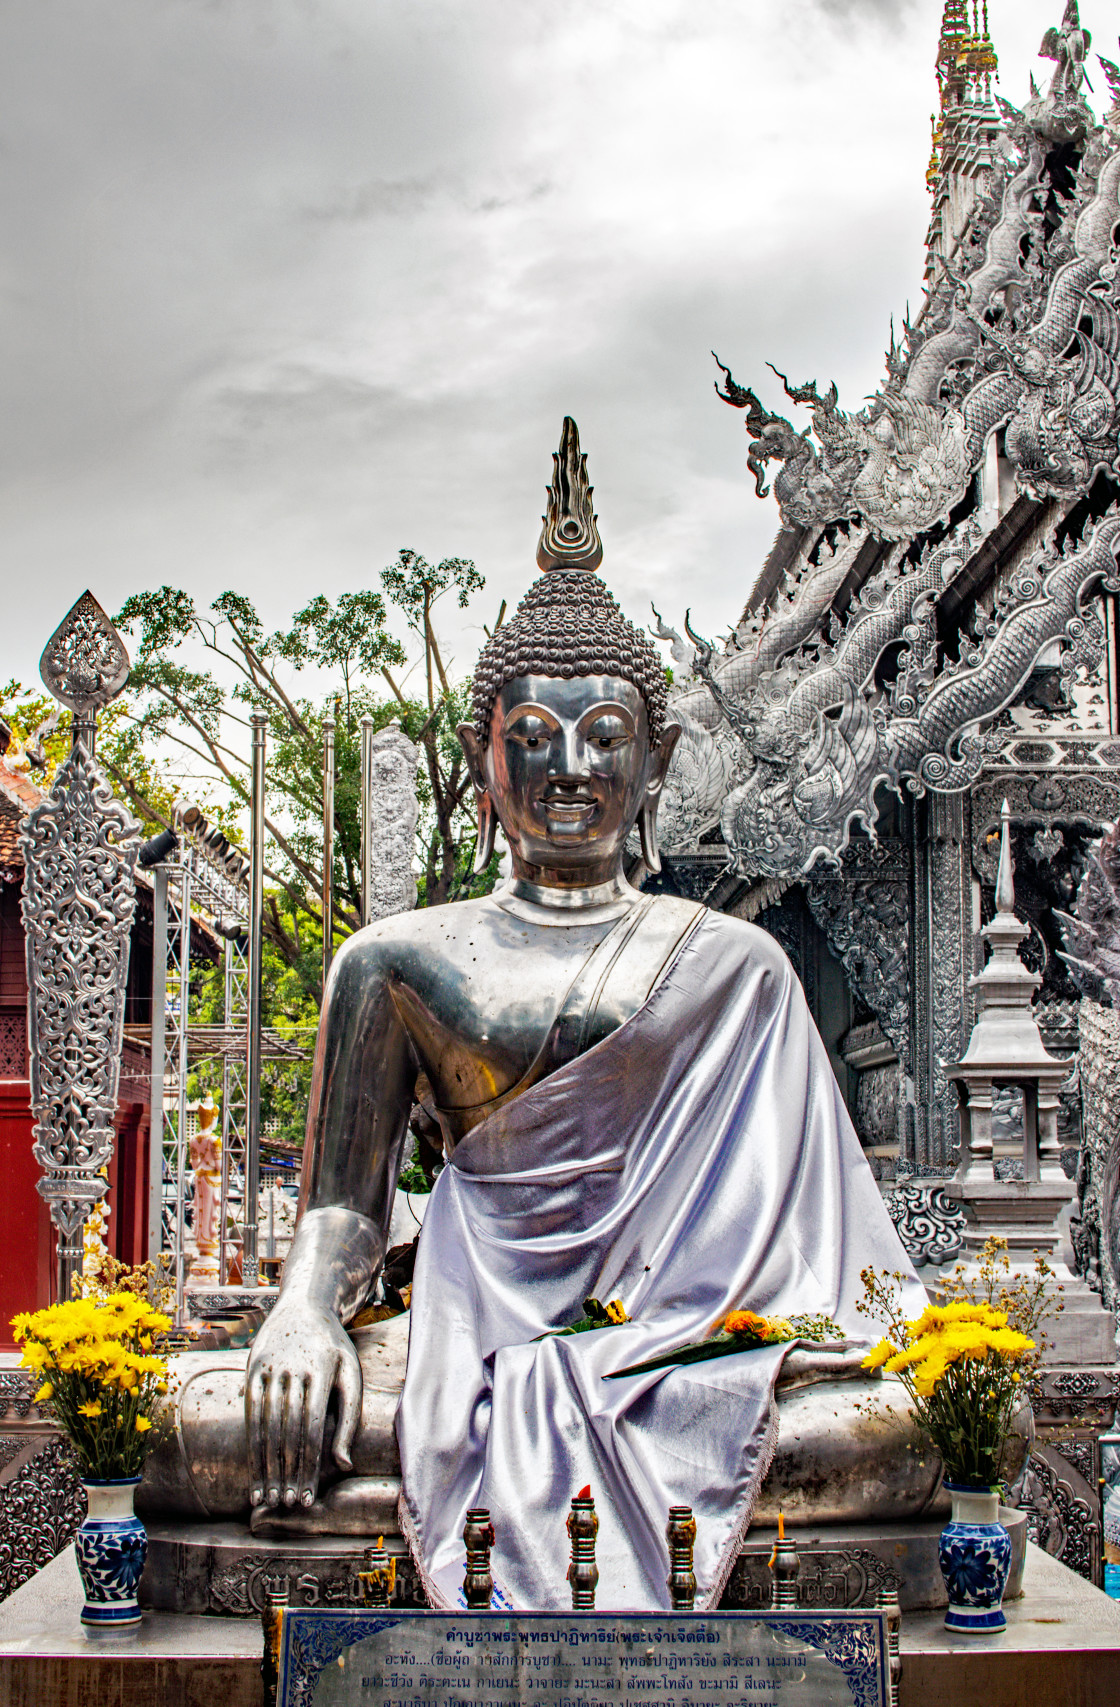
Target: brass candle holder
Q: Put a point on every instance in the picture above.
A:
(379, 1577)
(785, 1564)
(681, 1536)
(583, 1573)
(478, 1538)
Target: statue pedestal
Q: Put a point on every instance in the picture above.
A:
(1059, 1648)
(221, 1569)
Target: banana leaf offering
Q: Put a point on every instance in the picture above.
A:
(741, 1330)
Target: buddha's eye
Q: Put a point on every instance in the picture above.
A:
(608, 733)
(529, 731)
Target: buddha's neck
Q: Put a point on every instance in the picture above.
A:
(554, 904)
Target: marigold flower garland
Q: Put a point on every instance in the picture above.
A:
(101, 1375)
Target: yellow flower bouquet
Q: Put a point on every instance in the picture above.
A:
(963, 1362)
(101, 1376)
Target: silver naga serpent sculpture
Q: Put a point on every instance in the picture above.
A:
(787, 736)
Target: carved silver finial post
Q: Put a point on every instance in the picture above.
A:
(79, 895)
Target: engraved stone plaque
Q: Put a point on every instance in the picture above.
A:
(440, 1659)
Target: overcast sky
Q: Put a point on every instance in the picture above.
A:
(288, 285)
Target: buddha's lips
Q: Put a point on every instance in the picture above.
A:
(574, 802)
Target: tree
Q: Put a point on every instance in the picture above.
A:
(198, 676)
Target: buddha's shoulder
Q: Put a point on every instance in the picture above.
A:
(728, 938)
(389, 944)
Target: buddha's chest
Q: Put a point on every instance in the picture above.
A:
(479, 1018)
(504, 1002)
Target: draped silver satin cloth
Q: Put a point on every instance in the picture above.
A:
(697, 1160)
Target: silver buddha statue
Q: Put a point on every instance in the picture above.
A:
(634, 1105)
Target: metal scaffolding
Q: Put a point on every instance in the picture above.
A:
(196, 869)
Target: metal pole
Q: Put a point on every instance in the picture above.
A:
(182, 1144)
(159, 1063)
(227, 1086)
(367, 816)
(328, 847)
(250, 1273)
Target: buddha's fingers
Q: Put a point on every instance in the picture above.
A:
(316, 1396)
(348, 1380)
(276, 1393)
(291, 1438)
(254, 1413)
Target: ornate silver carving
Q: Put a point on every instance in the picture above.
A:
(393, 812)
(84, 663)
(930, 1227)
(80, 847)
(840, 1577)
(821, 737)
(1061, 1514)
(1019, 330)
(13, 1046)
(863, 912)
(40, 1510)
(16, 1392)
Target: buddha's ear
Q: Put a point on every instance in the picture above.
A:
(473, 752)
(661, 757)
(484, 805)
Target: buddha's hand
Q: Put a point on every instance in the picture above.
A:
(300, 1357)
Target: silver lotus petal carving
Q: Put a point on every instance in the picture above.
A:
(84, 663)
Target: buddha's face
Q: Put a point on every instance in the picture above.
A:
(569, 767)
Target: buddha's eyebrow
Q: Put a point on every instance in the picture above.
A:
(531, 709)
(608, 708)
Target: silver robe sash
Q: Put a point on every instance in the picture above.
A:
(697, 1160)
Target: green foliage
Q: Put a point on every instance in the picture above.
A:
(198, 675)
(41, 739)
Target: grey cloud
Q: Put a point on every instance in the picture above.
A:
(286, 287)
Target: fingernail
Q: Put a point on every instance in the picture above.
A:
(256, 1496)
(289, 1496)
(307, 1497)
(274, 1496)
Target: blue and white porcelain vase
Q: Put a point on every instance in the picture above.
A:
(111, 1546)
(974, 1552)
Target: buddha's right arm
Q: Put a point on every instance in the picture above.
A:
(361, 1095)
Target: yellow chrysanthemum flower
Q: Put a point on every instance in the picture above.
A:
(92, 1409)
(45, 1392)
(879, 1354)
(143, 1424)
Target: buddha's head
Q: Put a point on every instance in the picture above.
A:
(569, 747)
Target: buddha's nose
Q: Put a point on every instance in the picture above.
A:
(566, 761)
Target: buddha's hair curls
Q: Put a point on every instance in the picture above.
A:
(568, 624)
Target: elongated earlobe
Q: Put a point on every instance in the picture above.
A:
(647, 818)
(487, 830)
(647, 836)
